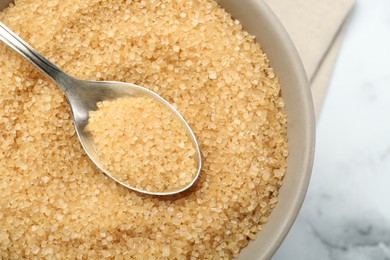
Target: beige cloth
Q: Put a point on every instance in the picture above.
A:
(315, 28)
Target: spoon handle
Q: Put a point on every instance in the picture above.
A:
(15, 42)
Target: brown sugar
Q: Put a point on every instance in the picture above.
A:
(54, 202)
(143, 144)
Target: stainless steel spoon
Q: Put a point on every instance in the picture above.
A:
(83, 96)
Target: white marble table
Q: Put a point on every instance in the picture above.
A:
(346, 214)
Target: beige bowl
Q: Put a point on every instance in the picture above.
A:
(258, 19)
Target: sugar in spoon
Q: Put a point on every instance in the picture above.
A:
(83, 97)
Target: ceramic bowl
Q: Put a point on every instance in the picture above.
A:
(257, 18)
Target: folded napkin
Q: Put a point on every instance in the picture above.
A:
(316, 29)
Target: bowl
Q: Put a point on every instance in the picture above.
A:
(258, 19)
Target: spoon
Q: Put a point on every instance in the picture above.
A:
(83, 97)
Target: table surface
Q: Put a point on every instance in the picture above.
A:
(346, 214)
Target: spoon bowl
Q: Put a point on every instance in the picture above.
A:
(83, 96)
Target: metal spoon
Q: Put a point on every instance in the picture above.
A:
(83, 96)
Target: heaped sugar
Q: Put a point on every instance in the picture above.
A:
(143, 144)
